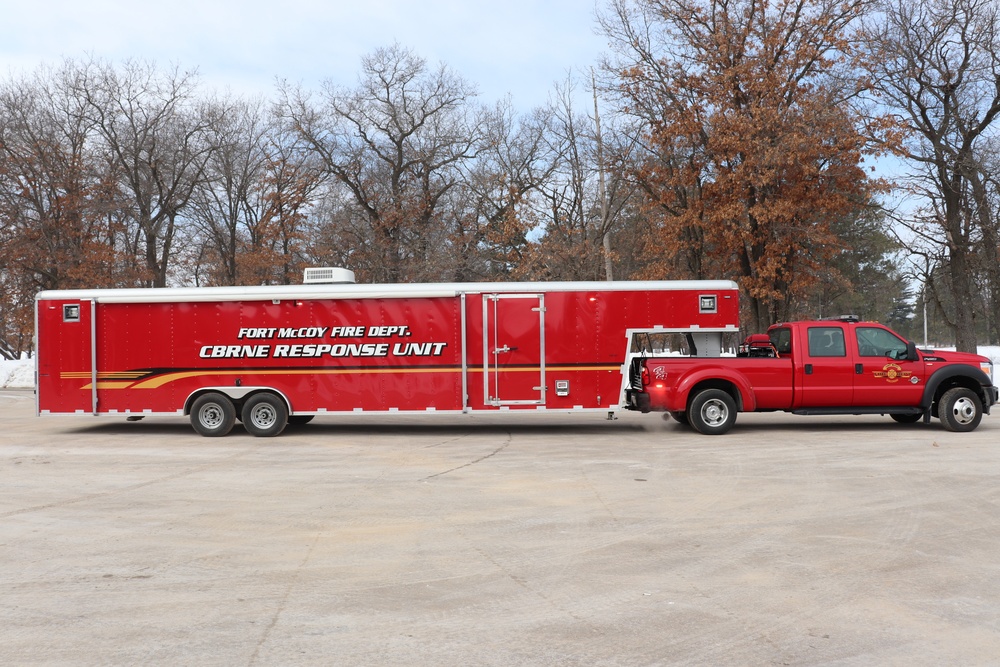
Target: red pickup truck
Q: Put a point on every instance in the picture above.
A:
(819, 367)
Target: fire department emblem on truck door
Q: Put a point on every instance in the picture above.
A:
(893, 373)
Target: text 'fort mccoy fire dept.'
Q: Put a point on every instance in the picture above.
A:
(379, 348)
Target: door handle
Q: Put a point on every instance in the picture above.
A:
(809, 369)
(505, 348)
(859, 369)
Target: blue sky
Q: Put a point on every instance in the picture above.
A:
(516, 47)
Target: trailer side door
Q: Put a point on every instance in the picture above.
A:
(66, 356)
(514, 349)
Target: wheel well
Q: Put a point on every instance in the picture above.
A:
(238, 395)
(958, 381)
(723, 385)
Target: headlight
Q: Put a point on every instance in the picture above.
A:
(987, 367)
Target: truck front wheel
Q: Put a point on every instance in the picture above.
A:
(213, 415)
(960, 409)
(712, 412)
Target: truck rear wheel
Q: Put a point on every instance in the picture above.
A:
(264, 415)
(712, 412)
(960, 410)
(213, 415)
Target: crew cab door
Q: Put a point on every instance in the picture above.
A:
(825, 371)
(883, 375)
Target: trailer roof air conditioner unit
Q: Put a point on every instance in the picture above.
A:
(327, 275)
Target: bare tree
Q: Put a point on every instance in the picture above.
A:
(489, 214)
(221, 205)
(56, 199)
(751, 151)
(396, 142)
(52, 188)
(154, 135)
(986, 185)
(936, 64)
(581, 202)
(248, 207)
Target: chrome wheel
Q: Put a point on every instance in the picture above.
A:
(964, 411)
(714, 413)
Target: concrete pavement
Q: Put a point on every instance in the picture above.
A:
(498, 540)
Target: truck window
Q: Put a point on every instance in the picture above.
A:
(827, 342)
(876, 342)
(781, 339)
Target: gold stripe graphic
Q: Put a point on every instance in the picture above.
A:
(118, 380)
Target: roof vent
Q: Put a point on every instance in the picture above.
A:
(320, 275)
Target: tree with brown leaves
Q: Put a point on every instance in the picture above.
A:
(752, 152)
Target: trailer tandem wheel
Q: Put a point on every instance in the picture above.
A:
(213, 414)
(265, 415)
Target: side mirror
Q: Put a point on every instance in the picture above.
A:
(911, 351)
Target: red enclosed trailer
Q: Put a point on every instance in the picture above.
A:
(275, 354)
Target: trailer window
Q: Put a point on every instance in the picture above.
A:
(676, 343)
(660, 343)
(826, 342)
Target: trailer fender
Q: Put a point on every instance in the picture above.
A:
(236, 394)
(731, 381)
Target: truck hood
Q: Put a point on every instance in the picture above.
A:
(955, 357)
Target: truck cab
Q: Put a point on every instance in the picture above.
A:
(845, 362)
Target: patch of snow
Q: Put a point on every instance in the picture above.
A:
(992, 352)
(18, 374)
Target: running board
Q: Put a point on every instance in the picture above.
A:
(866, 410)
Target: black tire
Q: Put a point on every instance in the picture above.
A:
(213, 415)
(264, 415)
(299, 420)
(680, 418)
(712, 412)
(960, 410)
(907, 418)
